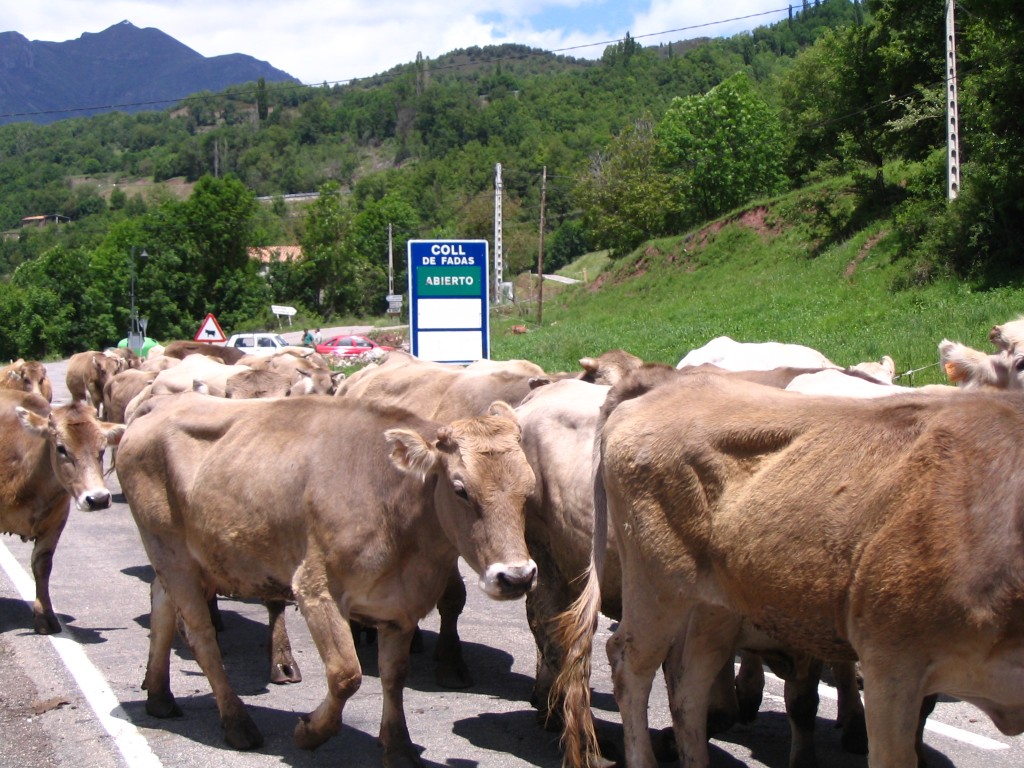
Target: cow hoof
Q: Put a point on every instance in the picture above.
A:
(282, 674)
(46, 624)
(162, 706)
(719, 722)
(402, 760)
(664, 744)
(242, 734)
(855, 736)
(454, 675)
(305, 737)
(417, 644)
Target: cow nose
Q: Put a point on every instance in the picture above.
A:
(517, 580)
(97, 499)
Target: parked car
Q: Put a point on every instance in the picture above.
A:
(351, 345)
(257, 343)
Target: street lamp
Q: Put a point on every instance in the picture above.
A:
(135, 336)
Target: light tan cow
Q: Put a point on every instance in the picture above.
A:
(378, 551)
(439, 390)
(120, 389)
(559, 423)
(51, 458)
(87, 374)
(885, 530)
(27, 376)
(970, 368)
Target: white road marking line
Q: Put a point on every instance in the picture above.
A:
(132, 744)
(949, 731)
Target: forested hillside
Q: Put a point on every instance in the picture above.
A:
(648, 141)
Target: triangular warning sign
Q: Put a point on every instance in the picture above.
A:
(210, 331)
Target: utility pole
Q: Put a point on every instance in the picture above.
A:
(540, 248)
(952, 118)
(498, 266)
(391, 263)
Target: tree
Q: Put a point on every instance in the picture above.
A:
(624, 195)
(722, 148)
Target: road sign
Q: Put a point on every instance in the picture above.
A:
(210, 331)
(448, 290)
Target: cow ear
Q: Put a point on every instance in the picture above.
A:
(958, 361)
(589, 364)
(113, 432)
(33, 422)
(410, 452)
(501, 408)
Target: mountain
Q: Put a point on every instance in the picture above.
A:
(122, 67)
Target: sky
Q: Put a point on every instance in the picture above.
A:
(334, 42)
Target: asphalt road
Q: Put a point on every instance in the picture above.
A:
(75, 701)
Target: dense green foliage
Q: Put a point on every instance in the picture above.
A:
(752, 276)
(646, 143)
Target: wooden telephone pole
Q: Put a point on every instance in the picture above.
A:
(952, 117)
(540, 249)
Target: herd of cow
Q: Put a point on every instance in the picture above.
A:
(756, 499)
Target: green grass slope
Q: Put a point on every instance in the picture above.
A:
(810, 268)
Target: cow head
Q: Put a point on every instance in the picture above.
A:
(76, 440)
(1008, 336)
(29, 376)
(483, 480)
(971, 369)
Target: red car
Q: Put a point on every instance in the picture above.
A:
(351, 345)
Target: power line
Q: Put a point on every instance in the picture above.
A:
(381, 77)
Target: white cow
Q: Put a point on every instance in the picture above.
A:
(763, 356)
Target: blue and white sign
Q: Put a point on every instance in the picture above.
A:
(448, 300)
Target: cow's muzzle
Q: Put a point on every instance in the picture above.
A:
(502, 581)
(93, 500)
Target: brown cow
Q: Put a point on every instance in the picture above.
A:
(379, 551)
(559, 424)
(120, 389)
(87, 374)
(27, 376)
(443, 392)
(50, 458)
(183, 348)
(898, 520)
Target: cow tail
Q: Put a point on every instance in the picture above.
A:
(574, 630)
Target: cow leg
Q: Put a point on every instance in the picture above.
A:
(283, 668)
(550, 598)
(637, 648)
(333, 638)
(893, 707)
(927, 707)
(452, 671)
(393, 660)
(801, 696)
(851, 709)
(723, 708)
(157, 683)
(44, 620)
(708, 643)
(749, 685)
(184, 588)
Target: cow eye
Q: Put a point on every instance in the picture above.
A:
(460, 490)
(62, 451)
(1018, 364)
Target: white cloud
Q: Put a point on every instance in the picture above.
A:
(318, 42)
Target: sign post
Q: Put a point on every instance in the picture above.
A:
(448, 290)
(210, 331)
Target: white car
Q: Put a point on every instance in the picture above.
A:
(257, 343)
